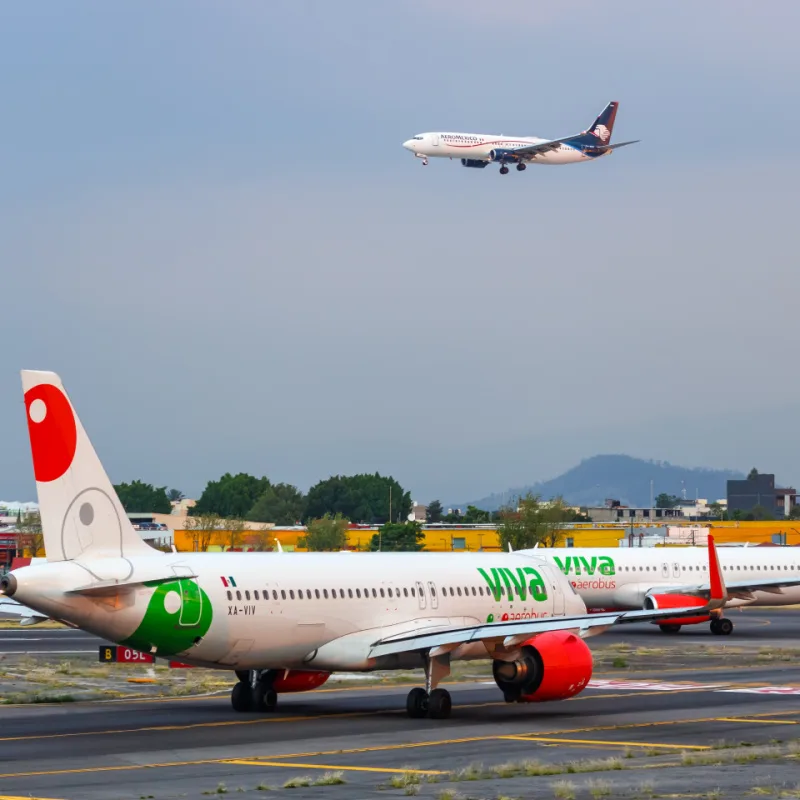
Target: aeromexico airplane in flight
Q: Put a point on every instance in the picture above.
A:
(282, 621)
(480, 149)
(661, 577)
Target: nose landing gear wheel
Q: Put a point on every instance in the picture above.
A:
(504, 170)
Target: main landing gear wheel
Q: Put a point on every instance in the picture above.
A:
(242, 697)
(436, 705)
(504, 170)
(521, 167)
(670, 628)
(721, 627)
(264, 698)
(417, 703)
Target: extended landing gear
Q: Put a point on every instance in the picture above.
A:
(430, 701)
(670, 628)
(504, 170)
(254, 691)
(721, 626)
(521, 167)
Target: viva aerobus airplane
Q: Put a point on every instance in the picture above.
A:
(477, 150)
(283, 622)
(663, 577)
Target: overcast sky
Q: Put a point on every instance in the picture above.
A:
(210, 229)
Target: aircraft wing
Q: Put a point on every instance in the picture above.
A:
(539, 149)
(510, 634)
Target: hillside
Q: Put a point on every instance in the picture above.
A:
(623, 478)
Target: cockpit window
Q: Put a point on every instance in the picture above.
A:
(419, 138)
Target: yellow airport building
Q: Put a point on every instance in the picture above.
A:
(484, 537)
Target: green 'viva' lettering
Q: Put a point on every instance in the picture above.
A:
(527, 579)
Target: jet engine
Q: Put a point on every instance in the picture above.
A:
(473, 162)
(654, 602)
(502, 155)
(552, 666)
(298, 680)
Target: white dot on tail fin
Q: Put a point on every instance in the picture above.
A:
(38, 410)
(172, 602)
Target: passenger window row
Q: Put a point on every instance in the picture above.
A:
(334, 594)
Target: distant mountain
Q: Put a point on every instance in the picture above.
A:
(622, 478)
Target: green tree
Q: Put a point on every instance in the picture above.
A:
(328, 532)
(29, 533)
(281, 504)
(758, 512)
(175, 495)
(794, 512)
(475, 516)
(203, 528)
(398, 536)
(143, 498)
(533, 521)
(232, 496)
(361, 498)
(454, 517)
(665, 500)
(434, 512)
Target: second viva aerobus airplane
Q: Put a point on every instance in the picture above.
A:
(283, 622)
(660, 577)
(480, 149)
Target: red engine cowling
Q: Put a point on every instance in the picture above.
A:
(299, 681)
(553, 666)
(666, 601)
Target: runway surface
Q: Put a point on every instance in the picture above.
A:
(194, 747)
(188, 747)
(761, 627)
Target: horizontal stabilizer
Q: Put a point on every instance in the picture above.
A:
(101, 588)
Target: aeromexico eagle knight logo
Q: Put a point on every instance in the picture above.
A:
(178, 616)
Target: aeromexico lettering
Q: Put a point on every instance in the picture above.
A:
(526, 580)
(578, 565)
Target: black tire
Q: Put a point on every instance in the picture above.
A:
(417, 703)
(670, 628)
(521, 167)
(725, 626)
(504, 170)
(265, 699)
(242, 697)
(439, 704)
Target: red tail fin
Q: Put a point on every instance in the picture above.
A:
(719, 594)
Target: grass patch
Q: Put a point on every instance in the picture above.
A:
(619, 662)
(472, 772)
(599, 789)
(330, 779)
(23, 698)
(564, 790)
(263, 787)
(297, 783)
(404, 780)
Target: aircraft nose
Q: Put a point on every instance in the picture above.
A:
(409, 144)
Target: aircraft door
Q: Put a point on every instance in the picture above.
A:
(676, 570)
(191, 609)
(557, 593)
(665, 570)
(434, 598)
(435, 139)
(421, 594)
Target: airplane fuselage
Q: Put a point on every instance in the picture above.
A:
(256, 610)
(491, 147)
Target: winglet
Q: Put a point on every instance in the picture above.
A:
(719, 593)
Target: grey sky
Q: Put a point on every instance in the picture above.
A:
(210, 229)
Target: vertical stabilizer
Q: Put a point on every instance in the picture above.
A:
(82, 516)
(603, 126)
